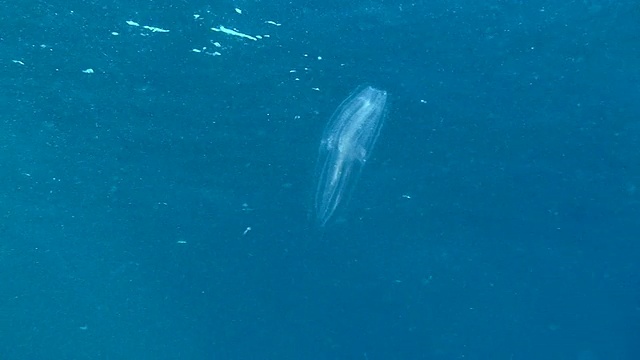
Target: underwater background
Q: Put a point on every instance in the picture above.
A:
(157, 178)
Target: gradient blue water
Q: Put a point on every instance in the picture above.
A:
(157, 208)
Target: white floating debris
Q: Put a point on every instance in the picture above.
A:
(196, 16)
(239, 11)
(204, 50)
(246, 230)
(217, 44)
(155, 29)
(88, 71)
(151, 28)
(234, 33)
(273, 23)
(315, 88)
(115, 33)
(181, 242)
(17, 62)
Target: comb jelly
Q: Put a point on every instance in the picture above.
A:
(346, 144)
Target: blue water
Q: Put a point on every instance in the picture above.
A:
(156, 186)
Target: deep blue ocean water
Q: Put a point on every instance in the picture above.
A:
(157, 181)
